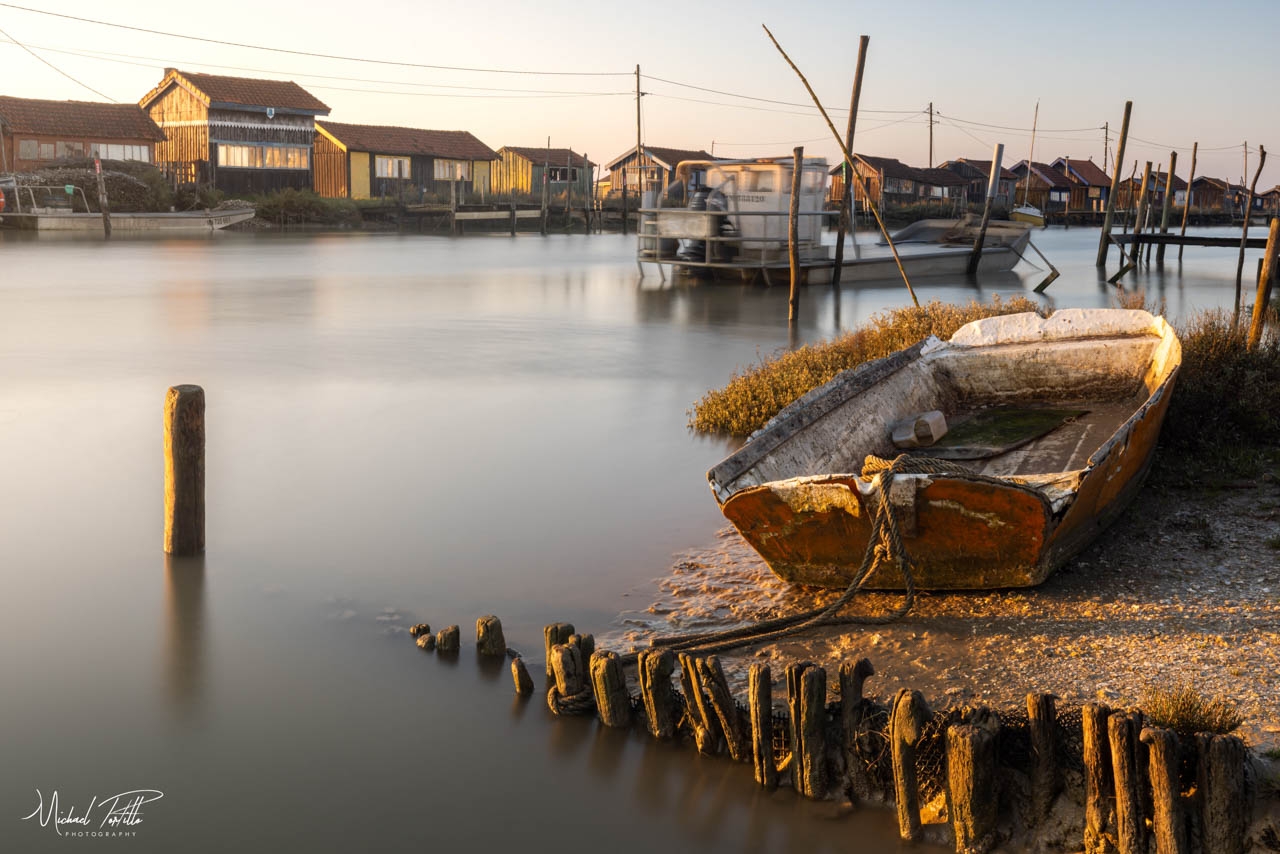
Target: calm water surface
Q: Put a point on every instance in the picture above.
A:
(400, 429)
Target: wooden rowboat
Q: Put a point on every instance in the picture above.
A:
(1052, 426)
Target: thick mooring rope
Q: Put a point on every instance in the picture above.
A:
(884, 547)
(581, 703)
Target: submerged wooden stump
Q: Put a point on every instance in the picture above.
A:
(810, 754)
(706, 729)
(1224, 814)
(1122, 732)
(520, 676)
(1046, 775)
(971, 786)
(726, 709)
(1099, 835)
(1168, 823)
(551, 635)
(426, 642)
(655, 668)
(419, 629)
(610, 685)
(906, 725)
(184, 470)
(760, 704)
(489, 638)
(449, 639)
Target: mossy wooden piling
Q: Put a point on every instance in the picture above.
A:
(489, 637)
(906, 724)
(760, 706)
(610, 688)
(662, 711)
(1168, 824)
(853, 718)
(722, 702)
(1098, 832)
(1046, 774)
(1224, 813)
(971, 787)
(520, 676)
(449, 639)
(1122, 733)
(553, 634)
(184, 470)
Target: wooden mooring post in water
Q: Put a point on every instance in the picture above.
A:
(1244, 231)
(184, 470)
(1266, 279)
(793, 235)
(102, 198)
(1168, 204)
(993, 184)
(845, 221)
(1104, 239)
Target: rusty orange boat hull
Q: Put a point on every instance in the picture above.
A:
(989, 529)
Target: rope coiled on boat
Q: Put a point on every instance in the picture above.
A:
(884, 547)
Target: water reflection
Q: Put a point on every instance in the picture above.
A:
(184, 633)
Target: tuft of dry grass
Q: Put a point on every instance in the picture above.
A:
(755, 395)
(1182, 709)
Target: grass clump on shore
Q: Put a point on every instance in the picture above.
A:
(755, 395)
(1182, 709)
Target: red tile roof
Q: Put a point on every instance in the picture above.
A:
(1087, 172)
(78, 119)
(382, 139)
(220, 90)
(553, 156)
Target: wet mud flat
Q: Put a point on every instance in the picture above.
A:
(1184, 588)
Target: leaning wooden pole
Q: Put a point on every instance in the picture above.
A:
(102, 199)
(846, 204)
(1186, 207)
(1244, 232)
(184, 470)
(793, 235)
(1104, 240)
(993, 183)
(1265, 281)
(1168, 203)
(848, 155)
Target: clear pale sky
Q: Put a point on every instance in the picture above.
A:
(1195, 71)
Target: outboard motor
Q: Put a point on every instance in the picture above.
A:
(695, 250)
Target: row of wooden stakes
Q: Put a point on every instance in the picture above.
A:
(1132, 773)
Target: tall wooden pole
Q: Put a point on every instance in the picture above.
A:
(1136, 254)
(1168, 202)
(848, 155)
(184, 470)
(639, 167)
(1195, 147)
(1104, 240)
(793, 235)
(1265, 281)
(993, 183)
(931, 134)
(546, 186)
(1244, 232)
(846, 204)
(102, 198)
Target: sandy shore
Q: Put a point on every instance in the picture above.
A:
(1184, 588)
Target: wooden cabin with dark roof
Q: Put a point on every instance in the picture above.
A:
(977, 173)
(1131, 189)
(235, 133)
(657, 165)
(34, 133)
(520, 168)
(1041, 185)
(380, 161)
(1092, 186)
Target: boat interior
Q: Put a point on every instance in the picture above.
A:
(1028, 409)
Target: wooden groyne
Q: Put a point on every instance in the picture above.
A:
(1050, 777)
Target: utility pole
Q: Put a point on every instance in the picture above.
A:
(931, 134)
(1106, 143)
(639, 164)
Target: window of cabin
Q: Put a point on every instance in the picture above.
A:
(252, 156)
(564, 174)
(1058, 195)
(111, 151)
(758, 182)
(28, 149)
(392, 167)
(69, 149)
(46, 151)
(452, 170)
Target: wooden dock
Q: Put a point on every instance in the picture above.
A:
(1188, 240)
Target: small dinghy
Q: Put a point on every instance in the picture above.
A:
(1013, 445)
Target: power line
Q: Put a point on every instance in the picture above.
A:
(56, 68)
(108, 56)
(764, 100)
(815, 139)
(1023, 130)
(309, 53)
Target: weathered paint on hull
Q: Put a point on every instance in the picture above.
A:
(967, 533)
